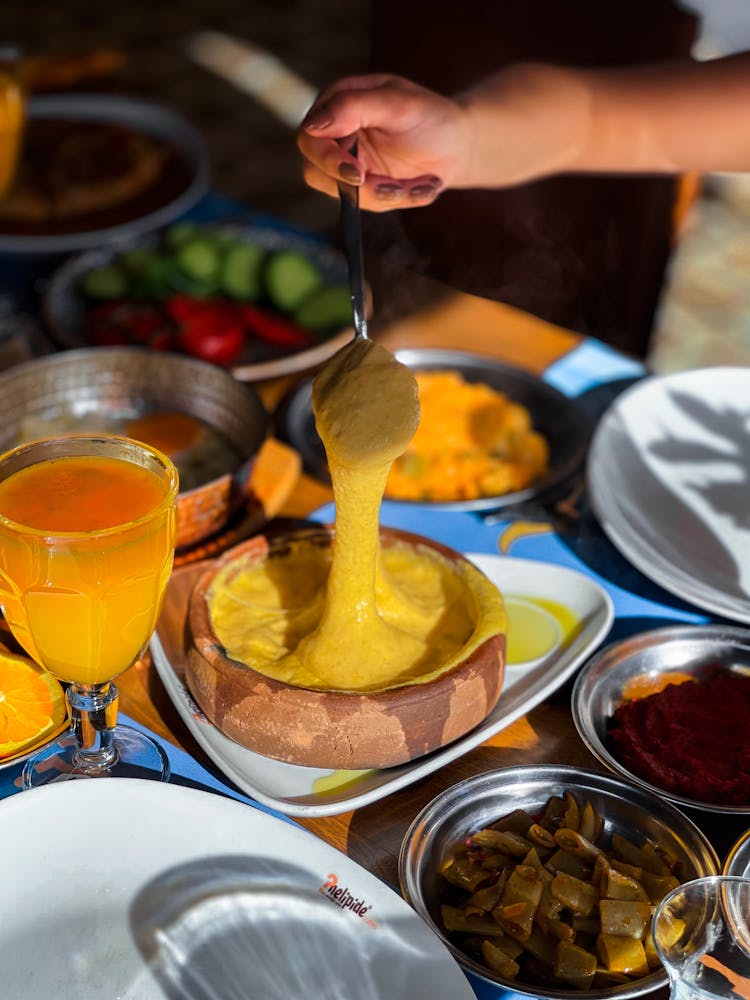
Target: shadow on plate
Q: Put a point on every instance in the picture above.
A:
(250, 928)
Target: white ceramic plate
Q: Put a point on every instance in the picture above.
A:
(127, 888)
(308, 791)
(669, 481)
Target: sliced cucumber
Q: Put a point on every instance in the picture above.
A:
(107, 282)
(154, 280)
(241, 271)
(199, 259)
(178, 235)
(290, 278)
(185, 285)
(327, 308)
(136, 261)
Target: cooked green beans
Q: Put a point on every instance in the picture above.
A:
(542, 901)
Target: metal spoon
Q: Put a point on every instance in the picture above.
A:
(351, 225)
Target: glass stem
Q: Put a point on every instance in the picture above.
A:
(93, 715)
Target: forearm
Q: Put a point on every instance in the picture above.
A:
(533, 120)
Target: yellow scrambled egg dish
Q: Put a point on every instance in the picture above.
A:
(472, 441)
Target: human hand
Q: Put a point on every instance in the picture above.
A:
(412, 142)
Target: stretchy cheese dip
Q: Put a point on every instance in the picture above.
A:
(356, 617)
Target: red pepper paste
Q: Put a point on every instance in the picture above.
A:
(691, 739)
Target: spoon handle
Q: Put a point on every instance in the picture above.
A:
(351, 225)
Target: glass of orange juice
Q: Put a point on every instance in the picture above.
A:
(87, 533)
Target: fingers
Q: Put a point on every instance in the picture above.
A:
(403, 130)
(320, 114)
(331, 158)
(379, 193)
(377, 101)
(405, 193)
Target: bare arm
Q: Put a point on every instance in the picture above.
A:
(528, 121)
(666, 118)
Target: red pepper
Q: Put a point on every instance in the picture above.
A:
(212, 338)
(125, 322)
(106, 310)
(144, 323)
(164, 340)
(182, 307)
(272, 328)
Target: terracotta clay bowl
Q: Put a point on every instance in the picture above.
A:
(332, 729)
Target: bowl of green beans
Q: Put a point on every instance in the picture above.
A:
(543, 880)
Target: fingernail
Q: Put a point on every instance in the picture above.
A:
(389, 191)
(349, 173)
(317, 119)
(423, 190)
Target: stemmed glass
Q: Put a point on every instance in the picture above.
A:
(702, 935)
(87, 533)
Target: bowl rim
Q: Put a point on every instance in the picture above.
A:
(427, 821)
(737, 851)
(615, 652)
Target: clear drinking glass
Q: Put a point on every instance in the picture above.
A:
(87, 534)
(702, 935)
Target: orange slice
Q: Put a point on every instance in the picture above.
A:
(32, 704)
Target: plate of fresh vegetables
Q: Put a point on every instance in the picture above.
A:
(258, 300)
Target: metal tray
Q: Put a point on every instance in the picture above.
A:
(560, 419)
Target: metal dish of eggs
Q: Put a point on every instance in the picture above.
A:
(210, 425)
(559, 424)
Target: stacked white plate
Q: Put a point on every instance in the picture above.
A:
(669, 481)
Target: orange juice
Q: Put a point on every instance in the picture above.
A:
(86, 545)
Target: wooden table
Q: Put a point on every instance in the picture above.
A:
(372, 835)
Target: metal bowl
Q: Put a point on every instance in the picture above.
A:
(123, 383)
(475, 803)
(691, 649)
(738, 860)
(561, 420)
